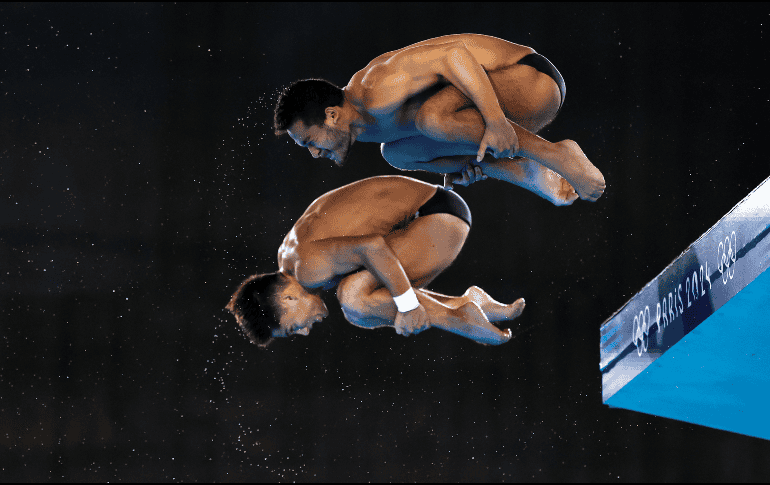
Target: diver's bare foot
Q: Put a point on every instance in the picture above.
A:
(476, 325)
(493, 310)
(532, 176)
(586, 179)
(550, 185)
(566, 194)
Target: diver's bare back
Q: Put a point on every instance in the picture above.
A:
(369, 206)
(379, 89)
(491, 52)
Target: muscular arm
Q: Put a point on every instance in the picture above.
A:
(411, 71)
(320, 261)
(415, 69)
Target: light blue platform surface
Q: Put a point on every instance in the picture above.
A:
(694, 343)
(718, 375)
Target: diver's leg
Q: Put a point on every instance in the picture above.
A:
(447, 118)
(493, 309)
(366, 303)
(528, 98)
(362, 285)
(407, 153)
(564, 157)
(377, 309)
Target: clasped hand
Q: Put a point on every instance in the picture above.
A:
(500, 138)
(468, 175)
(412, 322)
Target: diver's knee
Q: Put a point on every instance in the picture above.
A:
(351, 294)
(345, 294)
(429, 119)
(395, 156)
(351, 316)
(355, 310)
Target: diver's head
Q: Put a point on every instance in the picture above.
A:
(314, 114)
(273, 305)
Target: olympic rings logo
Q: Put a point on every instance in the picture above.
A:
(641, 330)
(694, 288)
(726, 254)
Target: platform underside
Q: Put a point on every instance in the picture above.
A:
(694, 344)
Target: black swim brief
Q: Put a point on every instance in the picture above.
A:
(446, 202)
(545, 66)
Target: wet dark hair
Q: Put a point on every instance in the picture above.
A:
(255, 306)
(305, 100)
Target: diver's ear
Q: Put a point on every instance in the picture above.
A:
(332, 115)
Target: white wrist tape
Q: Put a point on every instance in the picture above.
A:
(407, 301)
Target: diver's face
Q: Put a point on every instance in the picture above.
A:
(299, 310)
(329, 140)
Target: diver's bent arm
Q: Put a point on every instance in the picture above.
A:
(323, 259)
(467, 75)
(426, 65)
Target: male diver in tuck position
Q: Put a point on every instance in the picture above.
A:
(380, 241)
(437, 104)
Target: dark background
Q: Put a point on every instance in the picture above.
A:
(140, 182)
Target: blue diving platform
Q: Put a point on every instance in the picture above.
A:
(694, 343)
